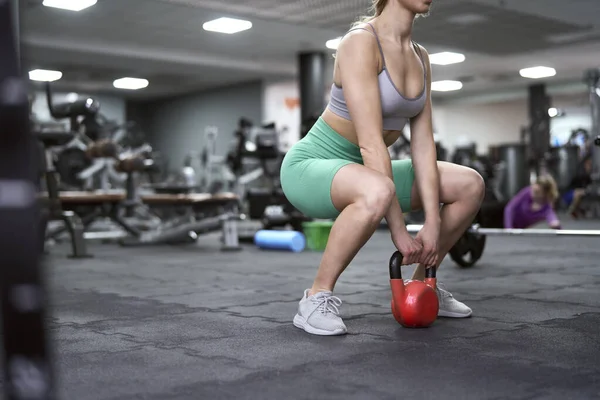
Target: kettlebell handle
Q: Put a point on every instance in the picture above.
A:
(396, 266)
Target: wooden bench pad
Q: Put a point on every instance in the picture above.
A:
(188, 199)
(76, 197)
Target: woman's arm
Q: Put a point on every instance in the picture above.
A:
(552, 218)
(509, 210)
(424, 154)
(359, 67)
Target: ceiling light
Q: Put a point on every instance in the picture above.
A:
(227, 25)
(446, 58)
(446, 86)
(333, 43)
(537, 72)
(555, 112)
(71, 5)
(71, 97)
(44, 75)
(131, 83)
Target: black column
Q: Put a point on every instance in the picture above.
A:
(539, 132)
(311, 71)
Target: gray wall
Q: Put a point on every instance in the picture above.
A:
(175, 126)
(112, 107)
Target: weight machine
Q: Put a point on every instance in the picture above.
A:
(203, 171)
(256, 161)
(214, 174)
(84, 163)
(256, 156)
(53, 209)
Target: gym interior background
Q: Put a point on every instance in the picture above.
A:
(161, 312)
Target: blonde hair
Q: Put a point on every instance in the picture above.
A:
(548, 185)
(375, 10)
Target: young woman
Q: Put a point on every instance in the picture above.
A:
(342, 168)
(533, 204)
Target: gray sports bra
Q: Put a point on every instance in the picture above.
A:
(395, 108)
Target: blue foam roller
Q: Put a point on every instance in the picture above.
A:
(280, 240)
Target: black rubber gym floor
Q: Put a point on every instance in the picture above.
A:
(163, 323)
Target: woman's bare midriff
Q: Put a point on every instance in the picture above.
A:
(346, 129)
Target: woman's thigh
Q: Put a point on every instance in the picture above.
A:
(355, 183)
(307, 184)
(404, 178)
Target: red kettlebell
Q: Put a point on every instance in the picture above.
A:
(415, 304)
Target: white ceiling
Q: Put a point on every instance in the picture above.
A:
(163, 41)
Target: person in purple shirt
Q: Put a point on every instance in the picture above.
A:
(533, 204)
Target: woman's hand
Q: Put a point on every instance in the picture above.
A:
(408, 247)
(428, 237)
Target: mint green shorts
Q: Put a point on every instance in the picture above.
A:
(308, 169)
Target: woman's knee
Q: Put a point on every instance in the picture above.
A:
(375, 197)
(474, 185)
(460, 183)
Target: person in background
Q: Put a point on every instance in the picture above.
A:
(533, 204)
(577, 188)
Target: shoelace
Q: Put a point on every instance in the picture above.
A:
(328, 304)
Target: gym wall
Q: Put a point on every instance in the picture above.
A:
(281, 104)
(176, 126)
(499, 122)
(113, 107)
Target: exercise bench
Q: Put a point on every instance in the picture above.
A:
(93, 205)
(185, 216)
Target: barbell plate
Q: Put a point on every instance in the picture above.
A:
(412, 228)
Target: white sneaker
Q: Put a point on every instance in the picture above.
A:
(319, 314)
(449, 306)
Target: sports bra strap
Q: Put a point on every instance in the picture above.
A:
(418, 50)
(374, 32)
(378, 43)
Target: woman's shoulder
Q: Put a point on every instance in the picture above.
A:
(358, 39)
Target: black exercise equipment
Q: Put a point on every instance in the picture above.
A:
(91, 206)
(186, 216)
(52, 209)
(84, 107)
(468, 249)
(265, 204)
(72, 160)
(28, 372)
